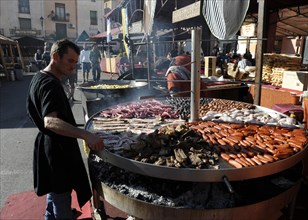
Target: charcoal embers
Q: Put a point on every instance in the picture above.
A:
(157, 191)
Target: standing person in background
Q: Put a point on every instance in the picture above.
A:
(85, 63)
(178, 77)
(58, 166)
(46, 56)
(95, 58)
(248, 56)
(244, 62)
(38, 58)
(221, 62)
(215, 51)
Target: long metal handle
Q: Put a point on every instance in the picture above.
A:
(228, 184)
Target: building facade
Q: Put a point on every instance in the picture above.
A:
(51, 20)
(90, 16)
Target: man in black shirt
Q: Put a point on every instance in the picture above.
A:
(57, 165)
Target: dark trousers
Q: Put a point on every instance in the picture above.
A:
(96, 71)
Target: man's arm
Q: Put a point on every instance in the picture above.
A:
(91, 56)
(58, 126)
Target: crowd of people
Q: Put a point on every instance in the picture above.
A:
(235, 66)
(89, 59)
(42, 59)
(175, 69)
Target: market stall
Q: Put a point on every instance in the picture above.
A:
(8, 57)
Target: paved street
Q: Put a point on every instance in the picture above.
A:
(16, 139)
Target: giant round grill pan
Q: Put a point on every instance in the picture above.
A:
(94, 93)
(198, 175)
(201, 175)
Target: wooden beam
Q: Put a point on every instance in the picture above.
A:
(21, 58)
(259, 52)
(3, 61)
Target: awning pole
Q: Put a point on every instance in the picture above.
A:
(195, 74)
(20, 56)
(148, 61)
(259, 52)
(109, 56)
(3, 61)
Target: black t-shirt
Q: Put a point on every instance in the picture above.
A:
(58, 165)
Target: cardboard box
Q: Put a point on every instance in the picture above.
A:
(209, 66)
(296, 80)
(111, 64)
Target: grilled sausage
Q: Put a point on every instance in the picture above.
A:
(235, 164)
(250, 161)
(256, 160)
(221, 142)
(295, 144)
(245, 162)
(234, 139)
(269, 157)
(225, 156)
(263, 159)
(231, 143)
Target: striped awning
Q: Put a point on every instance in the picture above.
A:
(225, 17)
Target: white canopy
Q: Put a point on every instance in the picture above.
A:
(225, 17)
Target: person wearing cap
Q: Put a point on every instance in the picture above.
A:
(179, 70)
(178, 76)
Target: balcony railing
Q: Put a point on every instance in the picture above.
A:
(24, 32)
(60, 18)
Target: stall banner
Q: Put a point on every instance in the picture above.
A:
(109, 37)
(125, 31)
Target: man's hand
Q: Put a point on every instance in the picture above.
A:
(94, 142)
